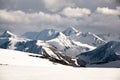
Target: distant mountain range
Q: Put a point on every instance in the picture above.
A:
(71, 34)
(70, 47)
(60, 41)
(87, 38)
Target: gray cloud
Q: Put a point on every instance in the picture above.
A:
(54, 5)
(24, 5)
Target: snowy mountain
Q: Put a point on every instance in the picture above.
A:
(44, 35)
(47, 34)
(70, 48)
(54, 49)
(8, 34)
(38, 47)
(15, 43)
(86, 38)
(103, 54)
(59, 41)
(70, 31)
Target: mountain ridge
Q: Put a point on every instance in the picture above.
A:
(103, 54)
(63, 43)
(50, 49)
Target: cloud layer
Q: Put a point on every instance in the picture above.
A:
(107, 11)
(35, 15)
(96, 20)
(75, 12)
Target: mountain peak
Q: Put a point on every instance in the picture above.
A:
(8, 34)
(47, 34)
(70, 30)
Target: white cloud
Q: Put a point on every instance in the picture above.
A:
(13, 17)
(21, 21)
(27, 18)
(108, 11)
(75, 12)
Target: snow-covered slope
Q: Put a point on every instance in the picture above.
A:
(67, 46)
(103, 54)
(11, 57)
(90, 39)
(62, 42)
(86, 38)
(57, 56)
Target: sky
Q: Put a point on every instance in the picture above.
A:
(97, 16)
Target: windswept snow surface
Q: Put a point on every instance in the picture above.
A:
(57, 73)
(16, 65)
(11, 57)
